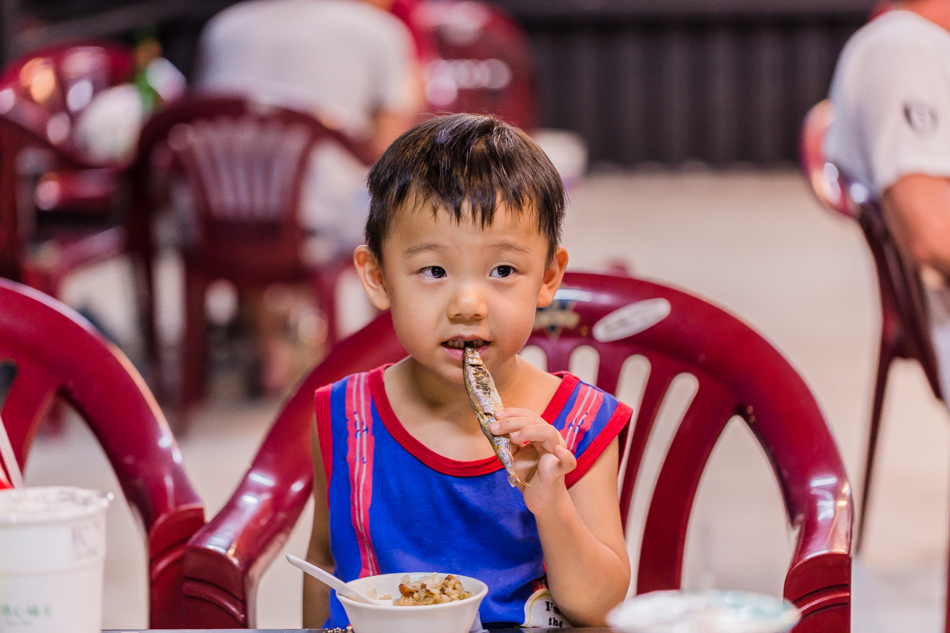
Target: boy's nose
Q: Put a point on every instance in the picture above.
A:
(467, 303)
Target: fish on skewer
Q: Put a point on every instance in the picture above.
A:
(485, 400)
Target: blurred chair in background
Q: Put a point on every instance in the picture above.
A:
(739, 375)
(242, 165)
(481, 61)
(478, 59)
(57, 354)
(905, 327)
(44, 167)
(69, 117)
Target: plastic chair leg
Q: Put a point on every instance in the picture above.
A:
(193, 352)
(886, 357)
(148, 318)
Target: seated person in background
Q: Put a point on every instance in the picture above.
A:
(463, 247)
(353, 64)
(891, 132)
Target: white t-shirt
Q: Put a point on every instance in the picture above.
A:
(891, 100)
(342, 59)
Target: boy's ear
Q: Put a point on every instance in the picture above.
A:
(552, 277)
(371, 276)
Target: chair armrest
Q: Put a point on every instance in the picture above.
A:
(173, 529)
(818, 581)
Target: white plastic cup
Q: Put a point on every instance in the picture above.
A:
(52, 554)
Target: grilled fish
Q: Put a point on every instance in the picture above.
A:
(485, 400)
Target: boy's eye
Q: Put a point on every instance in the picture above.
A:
(436, 272)
(503, 271)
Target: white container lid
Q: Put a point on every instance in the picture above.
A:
(42, 504)
(704, 612)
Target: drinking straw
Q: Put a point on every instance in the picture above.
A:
(9, 459)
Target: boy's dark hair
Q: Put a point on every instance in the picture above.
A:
(451, 160)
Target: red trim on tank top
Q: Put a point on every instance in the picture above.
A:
(440, 463)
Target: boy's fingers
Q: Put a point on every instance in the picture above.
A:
(545, 436)
(512, 422)
(558, 463)
(509, 412)
(565, 456)
(566, 462)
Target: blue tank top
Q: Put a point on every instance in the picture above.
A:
(397, 506)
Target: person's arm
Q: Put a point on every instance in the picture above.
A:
(917, 208)
(316, 595)
(585, 553)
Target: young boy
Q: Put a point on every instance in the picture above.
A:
(462, 247)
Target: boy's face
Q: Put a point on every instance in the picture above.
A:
(447, 283)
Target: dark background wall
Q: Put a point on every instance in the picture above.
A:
(719, 81)
(668, 81)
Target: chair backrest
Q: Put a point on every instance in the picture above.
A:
(826, 182)
(55, 353)
(45, 91)
(244, 163)
(905, 332)
(738, 374)
(484, 62)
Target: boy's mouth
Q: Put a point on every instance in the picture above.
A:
(457, 343)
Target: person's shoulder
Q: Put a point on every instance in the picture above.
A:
(251, 16)
(363, 14)
(241, 11)
(896, 33)
(577, 388)
(352, 379)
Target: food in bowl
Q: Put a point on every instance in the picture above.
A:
(431, 589)
(453, 616)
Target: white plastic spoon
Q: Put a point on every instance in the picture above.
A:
(329, 579)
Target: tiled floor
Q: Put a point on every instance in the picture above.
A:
(755, 243)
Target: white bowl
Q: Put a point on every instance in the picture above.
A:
(449, 617)
(703, 612)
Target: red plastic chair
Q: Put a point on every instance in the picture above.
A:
(479, 60)
(904, 323)
(244, 163)
(41, 98)
(739, 374)
(59, 355)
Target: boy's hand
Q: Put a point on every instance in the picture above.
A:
(540, 454)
